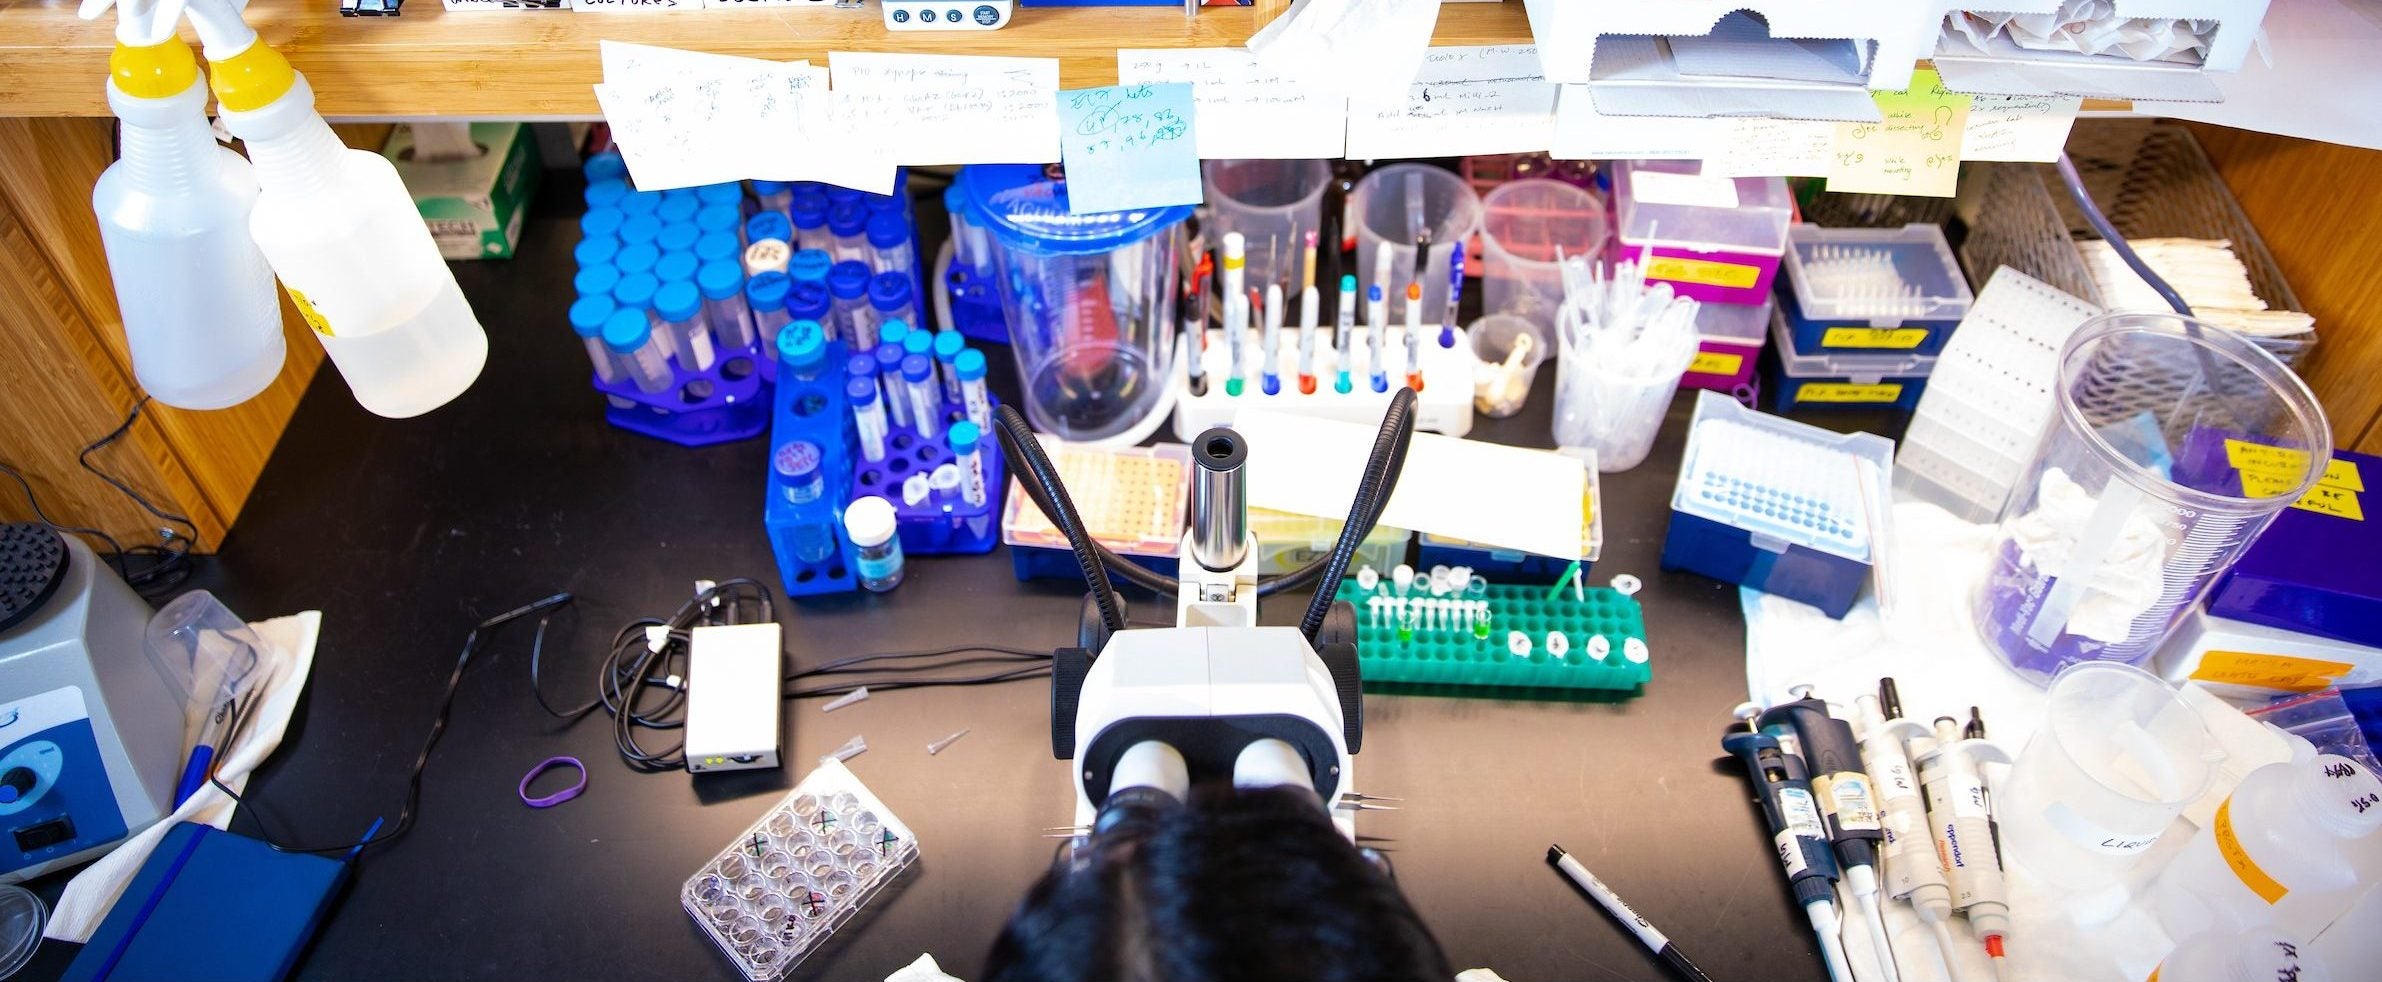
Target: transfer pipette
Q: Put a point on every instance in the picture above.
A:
(1914, 870)
(1272, 347)
(1236, 315)
(1959, 814)
(1455, 294)
(1779, 781)
(1846, 801)
(1377, 320)
(1344, 335)
(1308, 313)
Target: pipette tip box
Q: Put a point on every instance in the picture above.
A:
(1868, 291)
(1134, 500)
(1716, 239)
(1780, 506)
(1838, 379)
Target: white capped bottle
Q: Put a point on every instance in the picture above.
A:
(2281, 850)
(200, 315)
(2261, 954)
(343, 234)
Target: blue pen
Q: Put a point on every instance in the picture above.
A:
(202, 754)
(1455, 294)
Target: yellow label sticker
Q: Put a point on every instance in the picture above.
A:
(2327, 500)
(1873, 337)
(2343, 474)
(314, 318)
(1849, 392)
(1715, 363)
(2258, 880)
(1734, 276)
(2266, 484)
(2283, 673)
(2285, 462)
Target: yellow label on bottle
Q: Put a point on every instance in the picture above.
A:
(1849, 392)
(2283, 673)
(1873, 337)
(1715, 363)
(2258, 880)
(2328, 500)
(1734, 276)
(314, 318)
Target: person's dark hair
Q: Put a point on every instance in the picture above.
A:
(1247, 887)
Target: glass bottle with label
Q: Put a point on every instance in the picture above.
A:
(872, 526)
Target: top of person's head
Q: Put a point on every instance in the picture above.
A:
(1241, 886)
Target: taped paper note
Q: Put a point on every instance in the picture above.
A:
(1914, 150)
(1581, 133)
(1129, 146)
(1773, 148)
(685, 118)
(1349, 46)
(1467, 100)
(1500, 496)
(2031, 128)
(951, 109)
(1244, 111)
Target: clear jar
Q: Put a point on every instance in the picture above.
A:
(873, 527)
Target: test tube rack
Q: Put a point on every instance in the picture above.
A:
(727, 402)
(806, 868)
(1443, 406)
(939, 524)
(1438, 651)
(975, 304)
(816, 412)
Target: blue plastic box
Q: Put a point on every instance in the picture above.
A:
(1776, 505)
(1804, 380)
(1870, 291)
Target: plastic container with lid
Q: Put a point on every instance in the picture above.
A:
(1866, 290)
(722, 285)
(588, 315)
(1716, 239)
(871, 525)
(1390, 206)
(1275, 205)
(1525, 226)
(1089, 300)
(2118, 755)
(631, 339)
(2283, 849)
(1842, 379)
(1731, 336)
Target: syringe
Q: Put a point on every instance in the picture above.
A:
(1960, 815)
(1846, 801)
(1377, 317)
(1236, 313)
(1271, 373)
(1914, 870)
(1308, 314)
(1344, 334)
(1781, 783)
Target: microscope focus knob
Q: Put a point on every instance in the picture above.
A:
(16, 784)
(1348, 683)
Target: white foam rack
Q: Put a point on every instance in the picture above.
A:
(1444, 406)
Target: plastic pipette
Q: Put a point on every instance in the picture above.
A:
(1959, 814)
(1377, 318)
(1847, 803)
(1308, 313)
(1345, 332)
(1913, 869)
(1780, 782)
(1455, 295)
(1272, 346)
(1236, 316)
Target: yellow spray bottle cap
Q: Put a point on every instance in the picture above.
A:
(153, 71)
(252, 79)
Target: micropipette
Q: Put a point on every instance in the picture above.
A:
(1455, 294)
(1345, 333)
(1914, 870)
(1272, 347)
(1846, 802)
(1959, 814)
(1236, 316)
(1308, 313)
(1779, 781)
(1377, 314)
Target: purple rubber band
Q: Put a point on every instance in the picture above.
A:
(558, 797)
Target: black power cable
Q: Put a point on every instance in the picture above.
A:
(167, 564)
(1382, 469)
(1026, 459)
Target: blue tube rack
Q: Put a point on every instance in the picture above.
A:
(816, 412)
(931, 527)
(727, 402)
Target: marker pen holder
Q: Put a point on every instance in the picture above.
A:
(1444, 406)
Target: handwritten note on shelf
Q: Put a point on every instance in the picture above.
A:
(685, 118)
(1348, 46)
(2018, 127)
(950, 109)
(1466, 100)
(1914, 150)
(1773, 148)
(1582, 133)
(1129, 146)
(1245, 111)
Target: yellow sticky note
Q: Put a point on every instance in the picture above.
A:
(2328, 500)
(1715, 363)
(1914, 150)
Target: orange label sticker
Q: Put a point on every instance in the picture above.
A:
(2283, 673)
(1873, 337)
(1715, 363)
(1734, 276)
(2238, 859)
(1849, 392)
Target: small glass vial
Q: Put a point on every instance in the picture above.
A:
(715, 246)
(889, 244)
(640, 229)
(808, 302)
(681, 310)
(948, 345)
(809, 213)
(889, 298)
(868, 417)
(802, 349)
(765, 294)
(588, 315)
(766, 256)
(722, 285)
(872, 526)
(769, 226)
(889, 380)
(926, 398)
(972, 395)
(772, 195)
(630, 337)
(847, 283)
(677, 237)
(676, 267)
(801, 480)
(965, 438)
(848, 225)
(636, 257)
(595, 250)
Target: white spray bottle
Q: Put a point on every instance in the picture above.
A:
(196, 296)
(343, 234)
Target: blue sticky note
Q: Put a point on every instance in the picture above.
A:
(1128, 146)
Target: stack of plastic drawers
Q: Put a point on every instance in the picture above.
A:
(1716, 239)
(1862, 314)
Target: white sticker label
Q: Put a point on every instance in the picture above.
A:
(1802, 813)
(1855, 807)
(2091, 835)
(1968, 798)
(1895, 781)
(1694, 190)
(1790, 853)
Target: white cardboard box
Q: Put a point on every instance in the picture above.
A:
(2243, 661)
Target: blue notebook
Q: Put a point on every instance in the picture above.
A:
(211, 905)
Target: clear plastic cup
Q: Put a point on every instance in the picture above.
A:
(1606, 409)
(1392, 206)
(2173, 444)
(1500, 389)
(1525, 226)
(2117, 757)
(1272, 203)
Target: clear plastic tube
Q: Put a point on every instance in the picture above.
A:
(868, 417)
(965, 441)
(588, 315)
(889, 245)
(847, 227)
(631, 338)
(680, 308)
(926, 398)
(766, 294)
(724, 307)
(889, 381)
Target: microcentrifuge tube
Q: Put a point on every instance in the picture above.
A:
(1484, 625)
(1557, 644)
(1518, 643)
(1439, 581)
(1367, 578)
(1406, 624)
(1634, 650)
(1599, 647)
(1402, 576)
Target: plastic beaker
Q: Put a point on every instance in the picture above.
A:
(1605, 407)
(2117, 757)
(1274, 204)
(1089, 300)
(1393, 207)
(2173, 444)
(1524, 227)
(1500, 389)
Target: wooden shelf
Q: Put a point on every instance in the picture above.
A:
(524, 64)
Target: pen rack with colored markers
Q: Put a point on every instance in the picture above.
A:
(1443, 406)
(942, 522)
(804, 517)
(1436, 650)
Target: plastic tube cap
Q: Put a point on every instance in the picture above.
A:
(678, 208)
(678, 300)
(917, 368)
(917, 343)
(676, 267)
(889, 291)
(948, 345)
(847, 220)
(768, 225)
(595, 251)
(964, 437)
(810, 265)
(809, 211)
(640, 229)
(802, 344)
(720, 279)
(639, 202)
(893, 332)
(605, 193)
(797, 460)
(717, 245)
(861, 367)
(809, 301)
(838, 194)
(767, 291)
(636, 290)
(596, 280)
(848, 280)
(637, 257)
(870, 521)
(887, 229)
(626, 331)
(601, 220)
(727, 193)
(718, 218)
(763, 189)
(604, 165)
(588, 315)
(889, 359)
(969, 365)
(678, 238)
(861, 391)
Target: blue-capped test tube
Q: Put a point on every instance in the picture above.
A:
(719, 218)
(630, 337)
(596, 281)
(636, 257)
(808, 301)
(680, 308)
(919, 341)
(638, 202)
(588, 315)
(595, 250)
(677, 237)
(926, 398)
(889, 244)
(722, 285)
(868, 417)
(605, 192)
(766, 226)
(948, 345)
(771, 195)
(678, 209)
(972, 394)
(810, 266)
(802, 349)
(601, 222)
(965, 438)
(728, 193)
(894, 334)
(676, 267)
(765, 294)
(848, 226)
(635, 292)
(715, 246)
(847, 283)
(639, 229)
(809, 215)
(889, 379)
(889, 298)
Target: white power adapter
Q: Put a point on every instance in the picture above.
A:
(735, 686)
